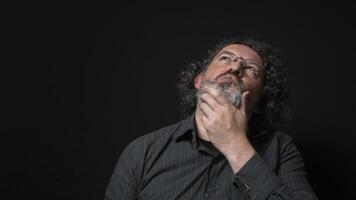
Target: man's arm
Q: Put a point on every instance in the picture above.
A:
(257, 180)
(124, 181)
(226, 127)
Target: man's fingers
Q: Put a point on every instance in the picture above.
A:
(220, 98)
(206, 109)
(210, 100)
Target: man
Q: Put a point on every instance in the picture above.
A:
(228, 146)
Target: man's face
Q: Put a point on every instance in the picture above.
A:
(236, 64)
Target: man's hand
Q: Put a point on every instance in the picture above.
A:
(226, 126)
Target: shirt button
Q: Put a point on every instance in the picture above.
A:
(246, 188)
(206, 194)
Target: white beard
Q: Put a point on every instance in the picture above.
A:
(231, 90)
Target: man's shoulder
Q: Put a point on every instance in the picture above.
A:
(273, 135)
(158, 136)
(272, 139)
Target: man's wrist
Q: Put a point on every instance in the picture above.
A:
(239, 156)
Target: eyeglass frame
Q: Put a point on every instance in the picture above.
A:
(244, 63)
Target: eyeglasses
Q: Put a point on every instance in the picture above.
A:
(248, 66)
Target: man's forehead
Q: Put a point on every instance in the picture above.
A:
(243, 51)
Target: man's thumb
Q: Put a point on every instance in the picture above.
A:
(243, 101)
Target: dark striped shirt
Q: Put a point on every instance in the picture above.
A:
(173, 163)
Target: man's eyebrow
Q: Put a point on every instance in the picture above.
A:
(227, 52)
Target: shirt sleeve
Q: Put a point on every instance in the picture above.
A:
(124, 182)
(257, 180)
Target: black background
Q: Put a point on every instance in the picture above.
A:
(83, 79)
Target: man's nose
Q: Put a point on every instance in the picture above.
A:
(236, 68)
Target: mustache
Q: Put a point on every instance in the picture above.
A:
(237, 81)
(229, 73)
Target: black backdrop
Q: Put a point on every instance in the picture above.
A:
(85, 78)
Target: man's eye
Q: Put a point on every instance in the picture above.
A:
(249, 67)
(226, 58)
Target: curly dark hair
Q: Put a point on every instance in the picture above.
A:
(274, 110)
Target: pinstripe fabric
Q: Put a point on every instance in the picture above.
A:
(173, 163)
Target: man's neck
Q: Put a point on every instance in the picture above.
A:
(201, 132)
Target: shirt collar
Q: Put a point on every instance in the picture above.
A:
(187, 129)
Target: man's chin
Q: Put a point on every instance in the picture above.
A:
(230, 89)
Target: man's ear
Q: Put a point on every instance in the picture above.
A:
(198, 80)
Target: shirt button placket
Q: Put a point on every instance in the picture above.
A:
(209, 182)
